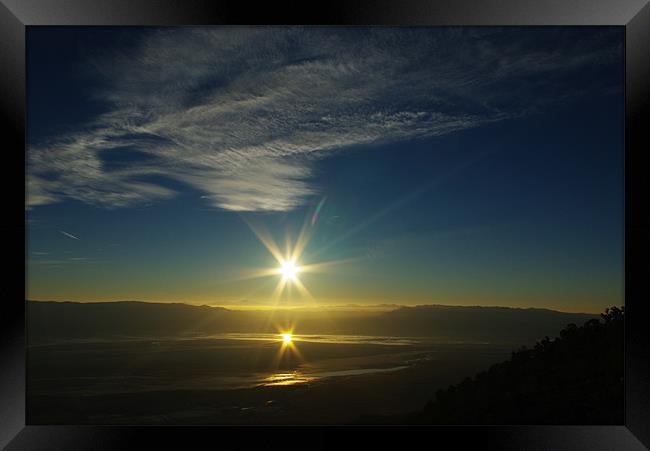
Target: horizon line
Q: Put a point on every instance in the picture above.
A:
(382, 306)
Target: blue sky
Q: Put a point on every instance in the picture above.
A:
(479, 166)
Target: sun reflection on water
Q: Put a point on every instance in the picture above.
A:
(293, 378)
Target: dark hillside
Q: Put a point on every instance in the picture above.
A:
(576, 378)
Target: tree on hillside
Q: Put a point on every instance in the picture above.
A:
(576, 378)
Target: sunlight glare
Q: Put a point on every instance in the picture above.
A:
(286, 338)
(289, 269)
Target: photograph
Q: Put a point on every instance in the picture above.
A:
(325, 225)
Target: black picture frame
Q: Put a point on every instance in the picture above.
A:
(634, 15)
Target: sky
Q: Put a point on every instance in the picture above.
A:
(458, 166)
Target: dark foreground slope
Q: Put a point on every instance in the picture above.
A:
(576, 378)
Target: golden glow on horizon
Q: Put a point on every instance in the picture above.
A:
(287, 337)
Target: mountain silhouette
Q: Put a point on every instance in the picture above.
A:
(74, 320)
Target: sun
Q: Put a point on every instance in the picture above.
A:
(289, 270)
(287, 338)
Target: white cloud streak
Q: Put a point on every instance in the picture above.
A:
(69, 235)
(244, 114)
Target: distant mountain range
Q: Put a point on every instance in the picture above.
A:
(48, 321)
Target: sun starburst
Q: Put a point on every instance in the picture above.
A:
(289, 269)
(290, 264)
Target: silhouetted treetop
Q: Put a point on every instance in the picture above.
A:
(576, 378)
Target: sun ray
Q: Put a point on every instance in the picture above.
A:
(266, 239)
(303, 290)
(253, 274)
(327, 265)
(399, 203)
(277, 293)
(303, 239)
(289, 288)
(287, 246)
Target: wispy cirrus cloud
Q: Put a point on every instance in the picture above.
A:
(244, 114)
